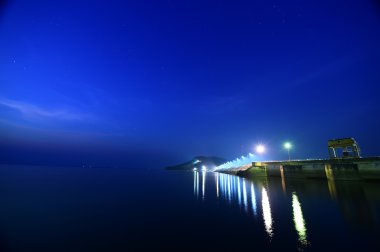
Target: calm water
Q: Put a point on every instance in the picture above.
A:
(99, 209)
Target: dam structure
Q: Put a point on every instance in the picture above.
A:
(347, 166)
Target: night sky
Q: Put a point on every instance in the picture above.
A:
(108, 82)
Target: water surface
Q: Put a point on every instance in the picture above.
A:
(136, 209)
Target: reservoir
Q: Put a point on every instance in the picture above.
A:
(147, 209)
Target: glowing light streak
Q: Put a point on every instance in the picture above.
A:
(238, 188)
(217, 184)
(243, 160)
(267, 215)
(229, 187)
(203, 183)
(253, 199)
(245, 201)
(299, 221)
(233, 185)
(196, 161)
(197, 184)
(225, 184)
(282, 179)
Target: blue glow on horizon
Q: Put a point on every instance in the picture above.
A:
(244, 160)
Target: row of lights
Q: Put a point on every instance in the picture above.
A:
(261, 148)
(203, 168)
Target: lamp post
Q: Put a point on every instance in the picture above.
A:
(288, 146)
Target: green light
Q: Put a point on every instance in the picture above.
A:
(288, 145)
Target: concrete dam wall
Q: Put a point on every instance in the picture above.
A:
(337, 169)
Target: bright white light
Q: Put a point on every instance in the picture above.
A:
(229, 187)
(194, 169)
(299, 221)
(253, 199)
(203, 184)
(197, 183)
(238, 188)
(260, 148)
(287, 145)
(196, 161)
(267, 215)
(204, 168)
(245, 201)
(217, 184)
(243, 160)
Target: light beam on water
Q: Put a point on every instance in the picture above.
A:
(253, 199)
(203, 183)
(267, 215)
(245, 201)
(238, 188)
(299, 221)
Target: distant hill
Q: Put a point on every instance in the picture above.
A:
(198, 162)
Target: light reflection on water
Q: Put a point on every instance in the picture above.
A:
(196, 183)
(299, 221)
(203, 184)
(242, 191)
(245, 202)
(238, 186)
(267, 215)
(44, 208)
(268, 200)
(253, 200)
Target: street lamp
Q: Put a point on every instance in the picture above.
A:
(288, 146)
(260, 149)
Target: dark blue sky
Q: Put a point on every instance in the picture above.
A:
(109, 81)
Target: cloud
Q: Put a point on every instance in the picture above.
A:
(37, 112)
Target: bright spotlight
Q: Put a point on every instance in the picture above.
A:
(204, 168)
(287, 145)
(260, 149)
